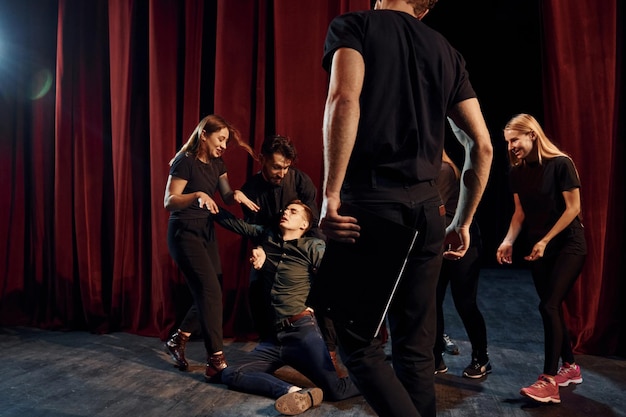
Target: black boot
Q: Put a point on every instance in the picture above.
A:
(215, 364)
(175, 347)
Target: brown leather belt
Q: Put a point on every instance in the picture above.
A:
(285, 323)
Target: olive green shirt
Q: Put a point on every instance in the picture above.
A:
(289, 267)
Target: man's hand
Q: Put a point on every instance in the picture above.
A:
(456, 243)
(504, 254)
(341, 228)
(241, 198)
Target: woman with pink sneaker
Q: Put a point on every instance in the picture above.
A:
(546, 192)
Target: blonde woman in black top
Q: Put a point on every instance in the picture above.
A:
(546, 192)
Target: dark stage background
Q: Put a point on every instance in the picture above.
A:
(97, 96)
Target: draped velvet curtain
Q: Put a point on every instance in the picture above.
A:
(582, 58)
(96, 97)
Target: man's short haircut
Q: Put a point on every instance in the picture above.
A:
(278, 144)
(420, 6)
(308, 214)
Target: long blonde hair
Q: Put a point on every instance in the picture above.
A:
(210, 124)
(525, 123)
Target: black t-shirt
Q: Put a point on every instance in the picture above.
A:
(200, 177)
(272, 199)
(413, 77)
(540, 189)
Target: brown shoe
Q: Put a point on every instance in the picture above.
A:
(298, 402)
(175, 347)
(342, 372)
(215, 364)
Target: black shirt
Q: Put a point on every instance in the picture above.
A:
(200, 176)
(540, 189)
(272, 199)
(412, 78)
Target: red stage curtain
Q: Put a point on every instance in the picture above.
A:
(269, 79)
(580, 87)
(96, 97)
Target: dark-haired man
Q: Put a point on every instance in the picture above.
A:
(272, 188)
(278, 183)
(286, 267)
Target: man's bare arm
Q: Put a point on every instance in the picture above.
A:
(341, 121)
(471, 131)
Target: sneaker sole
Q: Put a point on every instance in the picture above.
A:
(466, 375)
(488, 370)
(571, 381)
(441, 371)
(541, 399)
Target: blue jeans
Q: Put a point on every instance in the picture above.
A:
(407, 389)
(300, 346)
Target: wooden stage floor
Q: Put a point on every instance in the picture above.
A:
(68, 374)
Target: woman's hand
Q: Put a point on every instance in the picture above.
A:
(537, 251)
(207, 202)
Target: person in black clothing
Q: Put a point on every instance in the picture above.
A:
(278, 183)
(546, 193)
(287, 262)
(393, 81)
(271, 189)
(462, 275)
(197, 171)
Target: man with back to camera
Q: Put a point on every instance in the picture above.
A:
(393, 82)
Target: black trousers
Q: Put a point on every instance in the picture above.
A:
(193, 248)
(554, 277)
(406, 389)
(462, 276)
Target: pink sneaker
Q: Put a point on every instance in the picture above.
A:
(568, 374)
(545, 390)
